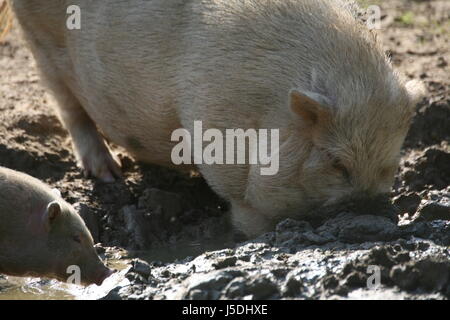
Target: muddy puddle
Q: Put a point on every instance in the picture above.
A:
(17, 288)
(13, 288)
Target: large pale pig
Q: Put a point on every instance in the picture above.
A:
(41, 235)
(138, 70)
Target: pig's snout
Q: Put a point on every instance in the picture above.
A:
(367, 204)
(103, 275)
(370, 203)
(97, 277)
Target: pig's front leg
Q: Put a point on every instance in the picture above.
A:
(93, 155)
(249, 221)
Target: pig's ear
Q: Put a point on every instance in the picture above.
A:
(313, 108)
(416, 91)
(53, 211)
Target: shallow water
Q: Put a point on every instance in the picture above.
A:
(16, 288)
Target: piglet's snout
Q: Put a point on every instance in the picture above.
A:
(104, 274)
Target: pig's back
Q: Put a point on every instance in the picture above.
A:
(143, 70)
(246, 56)
(20, 195)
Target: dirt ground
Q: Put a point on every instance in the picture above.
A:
(177, 218)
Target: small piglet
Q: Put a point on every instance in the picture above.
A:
(41, 235)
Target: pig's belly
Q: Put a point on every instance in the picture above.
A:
(139, 122)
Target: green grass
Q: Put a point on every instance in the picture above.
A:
(407, 18)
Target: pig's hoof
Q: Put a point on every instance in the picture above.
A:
(101, 165)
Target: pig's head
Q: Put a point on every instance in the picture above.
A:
(354, 146)
(69, 247)
(335, 150)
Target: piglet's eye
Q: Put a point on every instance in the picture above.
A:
(76, 239)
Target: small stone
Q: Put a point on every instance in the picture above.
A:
(141, 267)
(355, 280)
(407, 202)
(442, 63)
(404, 277)
(330, 282)
(226, 262)
(432, 210)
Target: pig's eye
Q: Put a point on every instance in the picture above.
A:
(342, 169)
(76, 239)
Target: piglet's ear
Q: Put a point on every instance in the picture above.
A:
(53, 211)
(312, 108)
